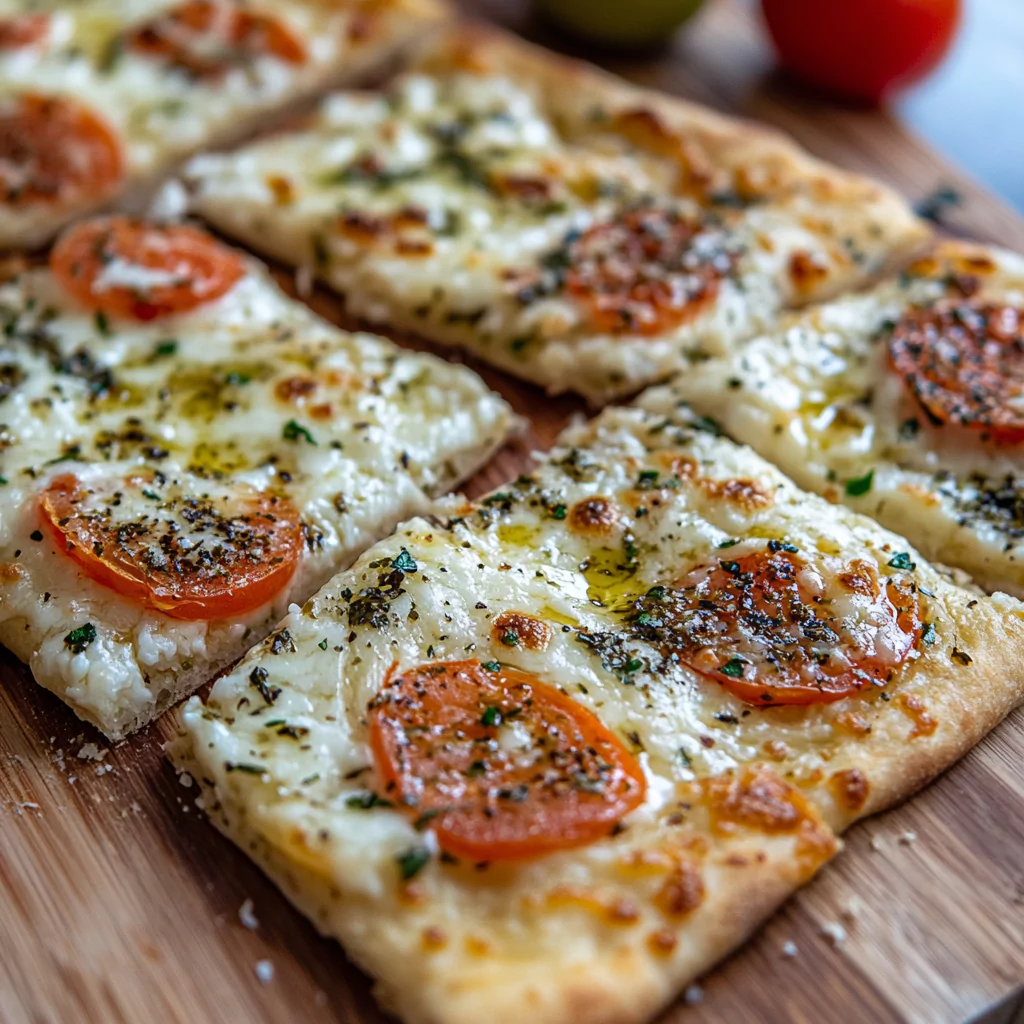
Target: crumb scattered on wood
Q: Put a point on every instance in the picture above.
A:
(265, 971)
(834, 932)
(790, 949)
(247, 916)
(906, 838)
(693, 995)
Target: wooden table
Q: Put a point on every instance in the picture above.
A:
(120, 903)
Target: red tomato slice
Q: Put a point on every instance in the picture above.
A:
(207, 38)
(53, 150)
(965, 366)
(861, 49)
(189, 558)
(772, 629)
(178, 267)
(564, 780)
(18, 30)
(645, 272)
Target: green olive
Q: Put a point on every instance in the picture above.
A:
(623, 23)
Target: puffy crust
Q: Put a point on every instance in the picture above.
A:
(716, 153)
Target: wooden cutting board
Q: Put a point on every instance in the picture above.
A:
(118, 902)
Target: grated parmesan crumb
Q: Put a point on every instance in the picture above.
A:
(247, 917)
(184, 779)
(834, 932)
(265, 971)
(851, 909)
(790, 949)
(91, 752)
(906, 838)
(877, 842)
(693, 995)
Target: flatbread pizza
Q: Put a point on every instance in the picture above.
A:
(555, 753)
(558, 222)
(97, 96)
(185, 451)
(904, 403)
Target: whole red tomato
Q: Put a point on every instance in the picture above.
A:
(861, 49)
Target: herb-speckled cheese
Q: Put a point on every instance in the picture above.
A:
(819, 398)
(250, 393)
(573, 546)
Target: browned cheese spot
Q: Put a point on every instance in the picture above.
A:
(595, 515)
(518, 629)
(850, 788)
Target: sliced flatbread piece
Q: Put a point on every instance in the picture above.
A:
(906, 403)
(100, 95)
(553, 757)
(185, 451)
(560, 223)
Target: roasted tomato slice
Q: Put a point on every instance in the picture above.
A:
(646, 271)
(55, 150)
(774, 629)
(965, 365)
(502, 765)
(18, 30)
(208, 38)
(185, 557)
(132, 269)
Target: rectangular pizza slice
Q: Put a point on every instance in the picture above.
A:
(184, 451)
(553, 756)
(906, 403)
(567, 226)
(99, 95)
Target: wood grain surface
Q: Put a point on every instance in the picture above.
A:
(120, 903)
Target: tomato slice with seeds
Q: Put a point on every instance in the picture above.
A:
(774, 629)
(188, 558)
(964, 363)
(208, 38)
(54, 150)
(646, 271)
(18, 30)
(170, 269)
(502, 765)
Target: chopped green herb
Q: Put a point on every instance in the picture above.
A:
(258, 678)
(166, 348)
(510, 639)
(412, 862)
(293, 430)
(364, 801)
(934, 205)
(80, 637)
(901, 560)
(102, 323)
(152, 495)
(929, 634)
(733, 668)
(558, 511)
(426, 818)
(728, 543)
(684, 757)
(492, 666)
(634, 665)
(491, 717)
(3, 480)
(647, 479)
(404, 562)
(781, 545)
(249, 769)
(236, 378)
(323, 644)
(860, 486)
